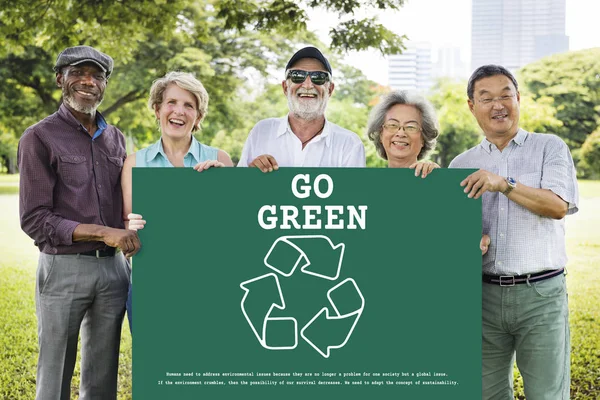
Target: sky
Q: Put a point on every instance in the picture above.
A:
(448, 22)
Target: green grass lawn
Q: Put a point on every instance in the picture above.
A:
(18, 325)
(9, 184)
(18, 340)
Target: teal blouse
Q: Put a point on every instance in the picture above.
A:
(154, 155)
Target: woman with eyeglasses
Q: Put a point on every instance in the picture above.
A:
(180, 103)
(404, 129)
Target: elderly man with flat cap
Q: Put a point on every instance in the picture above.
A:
(70, 205)
(303, 138)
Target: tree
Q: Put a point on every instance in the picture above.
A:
(590, 155)
(220, 41)
(572, 80)
(458, 128)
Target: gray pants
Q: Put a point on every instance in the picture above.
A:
(71, 289)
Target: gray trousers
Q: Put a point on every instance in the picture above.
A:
(71, 289)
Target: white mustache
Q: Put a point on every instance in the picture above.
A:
(307, 91)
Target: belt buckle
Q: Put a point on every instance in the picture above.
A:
(510, 278)
(98, 254)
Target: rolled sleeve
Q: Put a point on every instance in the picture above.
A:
(559, 175)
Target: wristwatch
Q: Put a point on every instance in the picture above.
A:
(511, 185)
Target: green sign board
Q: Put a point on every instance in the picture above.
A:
(315, 283)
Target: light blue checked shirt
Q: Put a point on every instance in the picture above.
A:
(521, 241)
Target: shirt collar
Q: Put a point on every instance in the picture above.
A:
(519, 139)
(70, 119)
(157, 148)
(284, 127)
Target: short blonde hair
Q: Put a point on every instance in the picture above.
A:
(185, 81)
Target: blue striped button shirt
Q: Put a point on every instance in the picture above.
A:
(523, 242)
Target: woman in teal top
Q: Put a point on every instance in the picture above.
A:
(179, 102)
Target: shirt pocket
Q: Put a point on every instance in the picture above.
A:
(74, 169)
(115, 165)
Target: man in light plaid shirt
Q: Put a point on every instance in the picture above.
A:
(528, 185)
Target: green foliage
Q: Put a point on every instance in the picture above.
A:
(590, 155)
(221, 42)
(572, 80)
(458, 127)
(538, 115)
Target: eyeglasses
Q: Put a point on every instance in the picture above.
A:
(316, 77)
(487, 101)
(393, 127)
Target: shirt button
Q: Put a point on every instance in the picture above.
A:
(499, 263)
(97, 163)
(99, 186)
(502, 235)
(502, 209)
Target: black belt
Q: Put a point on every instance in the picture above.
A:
(510, 280)
(108, 252)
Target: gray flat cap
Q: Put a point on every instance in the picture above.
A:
(82, 54)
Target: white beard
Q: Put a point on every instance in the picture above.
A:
(71, 102)
(307, 110)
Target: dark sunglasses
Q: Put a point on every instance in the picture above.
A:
(316, 77)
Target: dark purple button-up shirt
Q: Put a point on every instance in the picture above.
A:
(67, 179)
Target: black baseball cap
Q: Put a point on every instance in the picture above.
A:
(82, 54)
(309, 52)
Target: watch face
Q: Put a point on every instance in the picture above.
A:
(511, 181)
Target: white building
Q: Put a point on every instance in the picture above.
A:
(514, 33)
(411, 70)
(449, 63)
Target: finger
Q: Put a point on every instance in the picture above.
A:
(468, 183)
(418, 169)
(265, 165)
(137, 247)
(413, 165)
(213, 164)
(260, 164)
(134, 216)
(266, 160)
(273, 162)
(202, 166)
(475, 188)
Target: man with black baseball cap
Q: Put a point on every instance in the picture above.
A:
(303, 138)
(71, 206)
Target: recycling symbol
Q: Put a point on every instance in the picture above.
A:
(313, 255)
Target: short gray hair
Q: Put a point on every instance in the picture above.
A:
(185, 81)
(429, 124)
